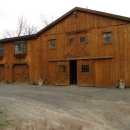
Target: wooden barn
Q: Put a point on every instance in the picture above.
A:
(82, 47)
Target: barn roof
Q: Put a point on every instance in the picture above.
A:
(27, 37)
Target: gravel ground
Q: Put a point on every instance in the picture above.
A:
(32, 107)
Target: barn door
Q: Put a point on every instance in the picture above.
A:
(2, 74)
(71, 46)
(85, 73)
(21, 73)
(62, 73)
(77, 45)
(25, 73)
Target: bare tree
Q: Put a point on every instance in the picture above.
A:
(22, 29)
(30, 30)
(22, 23)
(45, 20)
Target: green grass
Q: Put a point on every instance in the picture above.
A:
(1, 111)
(5, 123)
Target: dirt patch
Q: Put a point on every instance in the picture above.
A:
(32, 107)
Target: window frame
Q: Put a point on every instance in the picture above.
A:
(85, 70)
(1, 46)
(54, 43)
(20, 43)
(110, 37)
(69, 37)
(72, 42)
(62, 69)
(80, 39)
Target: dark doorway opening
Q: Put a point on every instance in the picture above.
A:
(73, 72)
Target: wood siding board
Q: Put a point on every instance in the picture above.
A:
(2, 74)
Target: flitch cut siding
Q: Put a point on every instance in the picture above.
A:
(10, 59)
(2, 74)
(108, 62)
(104, 71)
(81, 22)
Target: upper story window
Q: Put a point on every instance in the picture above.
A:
(1, 50)
(71, 41)
(107, 37)
(20, 48)
(82, 39)
(52, 43)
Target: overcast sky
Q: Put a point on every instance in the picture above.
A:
(10, 10)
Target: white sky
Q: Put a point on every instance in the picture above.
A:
(10, 10)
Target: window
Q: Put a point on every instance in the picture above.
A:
(71, 40)
(62, 69)
(85, 68)
(52, 43)
(82, 39)
(20, 48)
(1, 50)
(106, 37)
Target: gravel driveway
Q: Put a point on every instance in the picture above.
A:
(33, 107)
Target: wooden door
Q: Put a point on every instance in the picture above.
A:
(2, 74)
(77, 45)
(71, 46)
(85, 76)
(21, 73)
(62, 73)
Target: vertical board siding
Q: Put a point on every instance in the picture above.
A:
(10, 59)
(105, 71)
